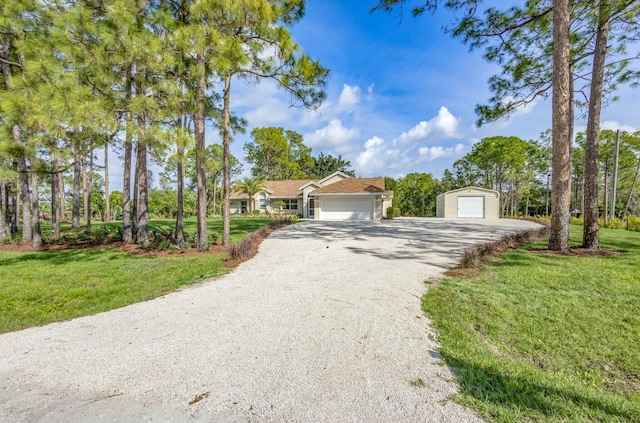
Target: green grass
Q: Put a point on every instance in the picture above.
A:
(546, 338)
(240, 226)
(41, 287)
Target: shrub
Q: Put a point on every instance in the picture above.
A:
(242, 249)
(256, 213)
(213, 237)
(633, 223)
(475, 257)
(393, 212)
(577, 220)
(613, 223)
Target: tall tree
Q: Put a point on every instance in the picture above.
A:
(633, 140)
(249, 30)
(325, 165)
(524, 47)
(561, 128)
(278, 154)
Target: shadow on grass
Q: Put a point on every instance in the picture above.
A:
(522, 398)
(60, 257)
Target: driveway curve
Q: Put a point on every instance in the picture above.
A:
(322, 325)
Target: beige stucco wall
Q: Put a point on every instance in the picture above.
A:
(386, 203)
(305, 200)
(440, 205)
(450, 202)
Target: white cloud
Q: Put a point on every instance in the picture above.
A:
(445, 124)
(524, 109)
(370, 92)
(349, 99)
(614, 126)
(436, 152)
(373, 156)
(261, 104)
(271, 111)
(332, 135)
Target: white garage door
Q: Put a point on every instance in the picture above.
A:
(471, 207)
(347, 208)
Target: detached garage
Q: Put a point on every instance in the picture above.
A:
(469, 202)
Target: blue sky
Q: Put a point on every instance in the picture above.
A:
(401, 94)
(400, 97)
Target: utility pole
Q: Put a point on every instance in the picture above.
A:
(614, 176)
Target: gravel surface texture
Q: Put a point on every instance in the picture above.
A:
(322, 325)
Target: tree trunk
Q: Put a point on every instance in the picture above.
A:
(214, 196)
(226, 183)
(27, 234)
(142, 212)
(546, 196)
(75, 213)
(561, 129)
(202, 240)
(62, 214)
(89, 189)
(633, 187)
(136, 191)
(591, 230)
(17, 139)
(55, 213)
(605, 194)
(15, 211)
(107, 202)
(35, 211)
(5, 229)
(127, 233)
(180, 193)
(85, 197)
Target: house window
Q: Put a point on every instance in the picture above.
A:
(263, 203)
(243, 206)
(290, 204)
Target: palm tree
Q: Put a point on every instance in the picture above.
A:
(250, 186)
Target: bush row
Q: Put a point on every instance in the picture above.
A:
(242, 249)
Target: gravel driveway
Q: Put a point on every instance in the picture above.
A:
(323, 325)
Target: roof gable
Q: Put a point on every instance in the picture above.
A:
(334, 174)
(354, 186)
(472, 188)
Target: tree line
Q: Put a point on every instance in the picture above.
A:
(143, 76)
(521, 172)
(574, 51)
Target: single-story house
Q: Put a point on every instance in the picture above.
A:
(336, 197)
(469, 202)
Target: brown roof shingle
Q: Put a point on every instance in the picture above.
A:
(291, 188)
(286, 188)
(353, 186)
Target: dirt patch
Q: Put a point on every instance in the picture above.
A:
(117, 245)
(463, 273)
(578, 252)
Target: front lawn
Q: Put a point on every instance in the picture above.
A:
(40, 287)
(540, 337)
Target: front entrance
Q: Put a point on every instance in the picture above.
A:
(312, 207)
